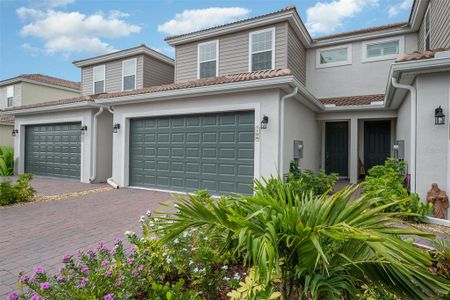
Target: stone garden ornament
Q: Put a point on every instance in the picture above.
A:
(439, 199)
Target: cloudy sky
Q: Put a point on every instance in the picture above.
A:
(45, 36)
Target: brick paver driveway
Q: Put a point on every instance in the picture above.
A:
(40, 233)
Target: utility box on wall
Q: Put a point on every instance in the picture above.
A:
(399, 149)
(298, 149)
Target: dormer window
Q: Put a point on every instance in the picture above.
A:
(10, 96)
(99, 79)
(262, 50)
(129, 74)
(208, 54)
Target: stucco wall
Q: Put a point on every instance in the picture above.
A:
(301, 124)
(84, 116)
(432, 140)
(403, 126)
(17, 95)
(6, 139)
(34, 93)
(104, 153)
(263, 102)
(359, 78)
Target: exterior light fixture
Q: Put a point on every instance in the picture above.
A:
(116, 127)
(264, 122)
(439, 117)
(14, 132)
(83, 129)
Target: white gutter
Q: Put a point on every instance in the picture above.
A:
(110, 180)
(412, 163)
(281, 130)
(95, 146)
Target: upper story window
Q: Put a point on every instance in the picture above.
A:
(427, 30)
(208, 59)
(99, 79)
(129, 74)
(9, 96)
(336, 56)
(262, 50)
(382, 49)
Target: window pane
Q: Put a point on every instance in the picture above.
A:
(10, 91)
(99, 87)
(334, 55)
(262, 61)
(208, 52)
(208, 69)
(129, 67)
(262, 41)
(99, 73)
(10, 101)
(129, 82)
(388, 48)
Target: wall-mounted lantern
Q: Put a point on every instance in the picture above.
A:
(439, 117)
(264, 122)
(116, 127)
(14, 132)
(83, 129)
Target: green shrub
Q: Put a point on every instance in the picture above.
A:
(21, 191)
(386, 182)
(321, 247)
(303, 181)
(6, 161)
(441, 258)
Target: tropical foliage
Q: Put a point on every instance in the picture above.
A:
(386, 182)
(20, 191)
(320, 247)
(306, 180)
(6, 161)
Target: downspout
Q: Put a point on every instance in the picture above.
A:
(110, 180)
(95, 144)
(281, 130)
(413, 93)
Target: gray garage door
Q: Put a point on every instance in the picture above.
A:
(53, 150)
(191, 152)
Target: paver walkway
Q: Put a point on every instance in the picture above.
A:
(40, 233)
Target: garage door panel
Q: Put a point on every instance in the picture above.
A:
(208, 151)
(53, 150)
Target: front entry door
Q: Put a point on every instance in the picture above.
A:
(336, 148)
(377, 143)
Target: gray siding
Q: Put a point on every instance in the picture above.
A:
(157, 72)
(421, 38)
(296, 55)
(440, 24)
(233, 53)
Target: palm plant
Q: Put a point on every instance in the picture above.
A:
(6, 161)
(322, 247)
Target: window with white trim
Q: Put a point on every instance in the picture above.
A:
(208, 54)
(337, 56)
(262, 50)
(382, 49)
(10, 96)
(427, 30)
(99, 79)
(129, 74)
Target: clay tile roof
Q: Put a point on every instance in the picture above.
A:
(418, 55)
(49, 103)
(201, 82)
(363, 31)
(6, 119)
(52, 80)
(288, 8)
(353, 100)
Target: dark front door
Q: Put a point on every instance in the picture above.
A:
(336, 148)
(377, 143)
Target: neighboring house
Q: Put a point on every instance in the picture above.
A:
(29, 89)
(251, 96)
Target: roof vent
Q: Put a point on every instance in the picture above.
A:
(442, 54)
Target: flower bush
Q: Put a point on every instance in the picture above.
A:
(21, 191)
(386, 182)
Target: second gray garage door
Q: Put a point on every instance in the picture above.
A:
(53, 150)
(191, 152)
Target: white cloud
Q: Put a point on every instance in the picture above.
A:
(34, 51)
(52, 3)
(328, 17)
(69, 32)
(394, 10)
(169, 51)
(196, 19)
